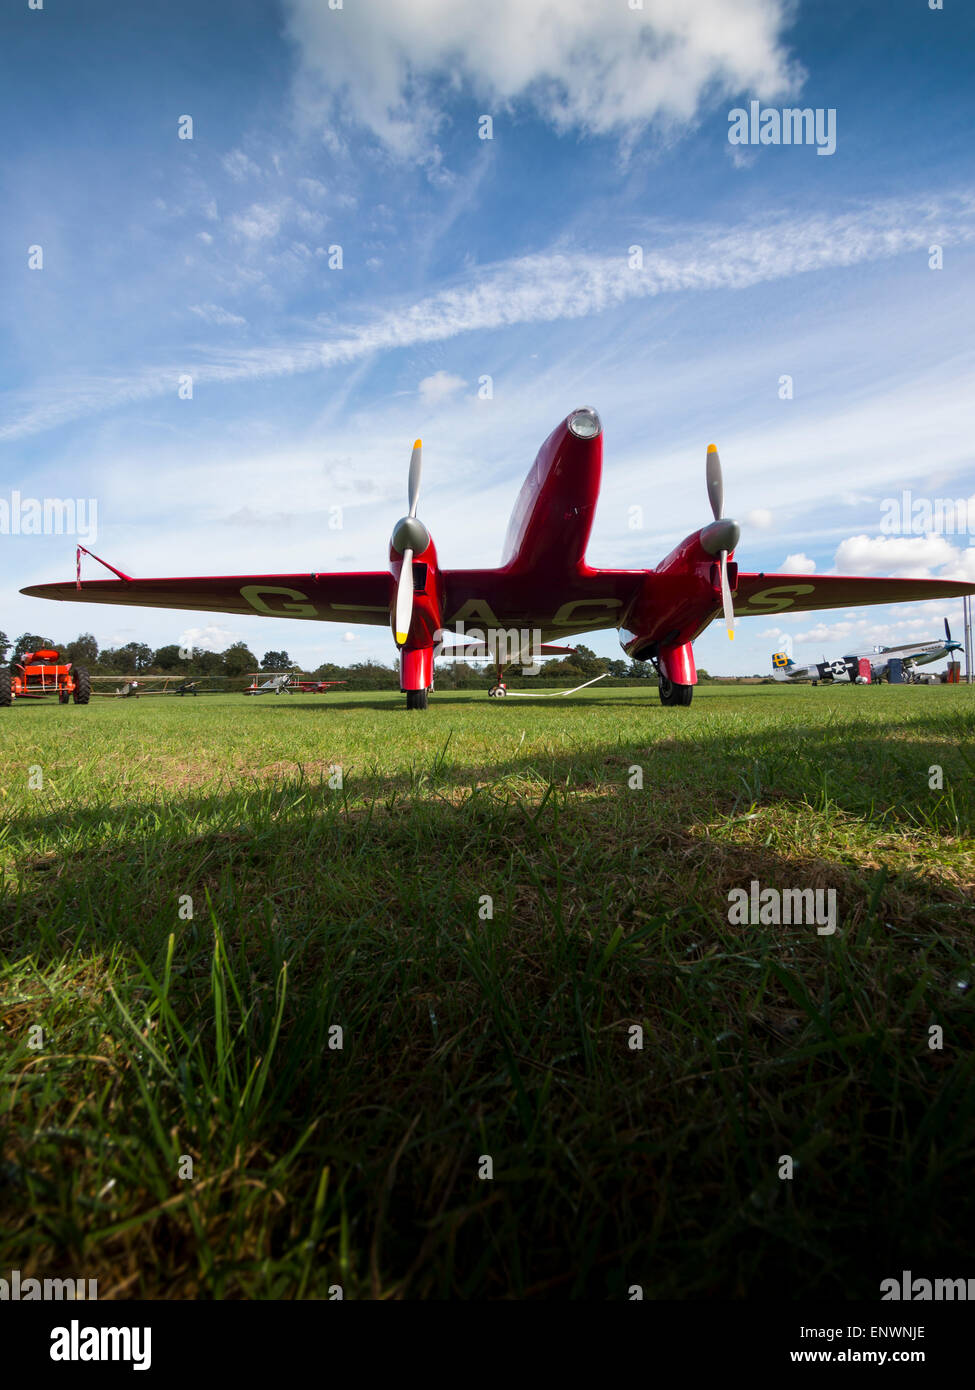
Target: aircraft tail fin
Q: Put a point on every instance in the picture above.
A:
(781, 665)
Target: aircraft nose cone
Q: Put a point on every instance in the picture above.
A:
(723, 534)
(410, 534)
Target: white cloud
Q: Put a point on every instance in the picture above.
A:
(826, 632)
(864, 633)
(596, 67)
(213, 313)
(239, 167)
(439, 387)
(258, 222)
(760, 518)
(309, 219)
(798, 564)
(213, 638)
(909, 556)
(313, 189)
(348, 637)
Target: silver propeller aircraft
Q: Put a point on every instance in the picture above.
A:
(847, 668)
(278, 683)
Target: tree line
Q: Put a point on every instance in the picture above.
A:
(237, 662)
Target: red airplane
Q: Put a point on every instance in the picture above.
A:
(543, 585)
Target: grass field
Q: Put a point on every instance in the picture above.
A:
(211, 1038)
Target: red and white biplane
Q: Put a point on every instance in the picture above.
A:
(543, 585)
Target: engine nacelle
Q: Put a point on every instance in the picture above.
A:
(665, 616)
(416, 653)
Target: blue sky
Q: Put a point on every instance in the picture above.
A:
(464, 258)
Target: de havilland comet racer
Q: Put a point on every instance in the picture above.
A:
(543, 586)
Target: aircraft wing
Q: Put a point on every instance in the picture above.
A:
(358, 597)
(768, 594)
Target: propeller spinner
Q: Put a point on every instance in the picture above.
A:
(950, 644)
(722, 535)
(409, 537)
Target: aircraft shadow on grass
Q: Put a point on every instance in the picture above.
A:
(880, 782)
(120, 899)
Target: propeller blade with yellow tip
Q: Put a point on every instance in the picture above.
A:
(715, 483)
(726, 603)
(409, 529)
(403, 614)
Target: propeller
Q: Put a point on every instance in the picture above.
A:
(409, 536)
(722, 535)
(950, 644)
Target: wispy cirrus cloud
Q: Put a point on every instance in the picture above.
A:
(541, 288)
(214, 313)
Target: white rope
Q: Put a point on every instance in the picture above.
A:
(552, 694)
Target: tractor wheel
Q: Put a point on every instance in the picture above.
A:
(64, 697)
(6, 693)
(82, 686)
(672, 694)
(416, 699)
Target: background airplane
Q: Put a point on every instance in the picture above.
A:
(277, 683)
(847, 668)
(286, 682)
(135, 687)
(543, 583)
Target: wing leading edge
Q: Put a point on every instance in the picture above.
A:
(759, 595)
(357, 597)
(589, 602)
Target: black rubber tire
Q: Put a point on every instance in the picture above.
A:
(64, 697)
(416, 699)
(673, 694)
(6, 691)
(82, 686)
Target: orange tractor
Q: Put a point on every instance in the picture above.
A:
(42, 673)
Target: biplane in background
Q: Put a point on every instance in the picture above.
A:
(287, 683)
(140, 687)
(543, 584)
(853, 667)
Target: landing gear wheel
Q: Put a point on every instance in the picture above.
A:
(416, 699)
(82, 686)
(6, 693)
(672, 694)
